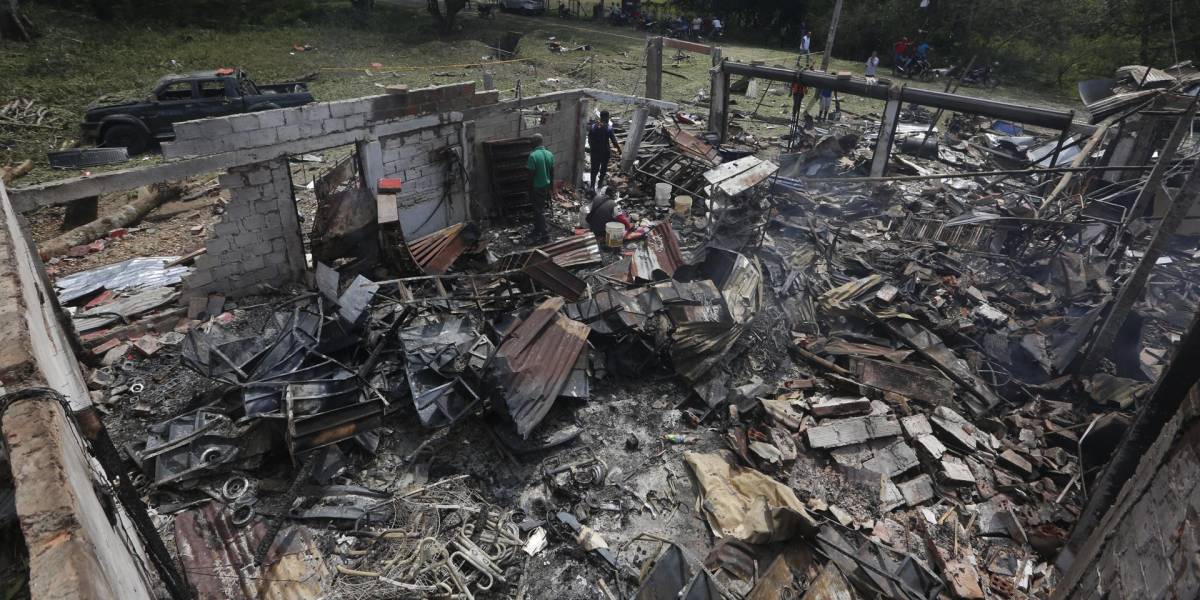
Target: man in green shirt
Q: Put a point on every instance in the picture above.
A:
(541, 165)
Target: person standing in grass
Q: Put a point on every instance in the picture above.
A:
(541, 166)
(872, 65)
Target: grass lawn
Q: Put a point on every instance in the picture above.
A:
(79, 59)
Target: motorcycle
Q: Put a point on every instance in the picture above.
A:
(918, 68)
(982, 75)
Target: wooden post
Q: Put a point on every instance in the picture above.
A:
(654, 61)
(833, 25)
(634, 141)
(887, 132)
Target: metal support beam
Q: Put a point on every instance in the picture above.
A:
(1150, 189)
(1133, 286)
(634, 141)
(718, 104)
(1030, 115)
(887, 133)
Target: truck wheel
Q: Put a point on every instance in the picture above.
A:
(123, 135)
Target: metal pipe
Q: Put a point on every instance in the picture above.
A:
(1030, 115)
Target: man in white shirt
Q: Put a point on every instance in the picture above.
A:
(805, 44)
(872, 64)
(718, 28)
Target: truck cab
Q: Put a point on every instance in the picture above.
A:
(176, 98)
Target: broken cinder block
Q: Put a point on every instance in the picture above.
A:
(917, 490)
(1016, 463)
(840, 407)
(956, 473)
(856, 430)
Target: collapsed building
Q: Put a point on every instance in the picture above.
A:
(880, 360)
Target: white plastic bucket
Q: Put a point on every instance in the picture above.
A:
(683, 205)
(662, 195)
(614, 234)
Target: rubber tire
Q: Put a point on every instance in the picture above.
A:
(124, 135)
(927, 75)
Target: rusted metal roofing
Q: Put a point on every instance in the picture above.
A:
(218, 558)
(436, 252)
(574, 251)
(705, 337)
(542, 269)
(658, 252)
(535, 360)
(693, 146)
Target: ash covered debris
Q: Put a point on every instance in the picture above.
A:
(788, 380)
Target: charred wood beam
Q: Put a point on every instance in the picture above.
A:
(1031, 115)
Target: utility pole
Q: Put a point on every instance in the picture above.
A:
(833, 23)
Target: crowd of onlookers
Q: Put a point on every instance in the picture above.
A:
(687, 27)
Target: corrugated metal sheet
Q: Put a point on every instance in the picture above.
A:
(1117, 103)
(740, 175)
(574, 251)
(132, 274)
(534, 362)
(659, 251)
(552, 276)
(1146, 77)
(693, 146)
(218, 558)
(136, 304)
(436, 252)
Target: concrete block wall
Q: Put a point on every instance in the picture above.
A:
(1148, 545)
(269, 127)
(258, 240)
(421, 159)
(561, 128)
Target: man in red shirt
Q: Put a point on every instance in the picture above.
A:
(901, 51)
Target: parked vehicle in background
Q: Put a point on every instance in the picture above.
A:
(529, 7)
(136, 124)
(983, 75)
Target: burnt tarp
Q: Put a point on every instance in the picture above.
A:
(444, 360)
(219, 563)
(535, 361)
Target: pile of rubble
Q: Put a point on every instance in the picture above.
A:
(796, 389)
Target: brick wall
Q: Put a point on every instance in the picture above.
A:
(269, 127)
(1148, 545)
(258, 239)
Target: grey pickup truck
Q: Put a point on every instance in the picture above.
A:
(136, 124)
